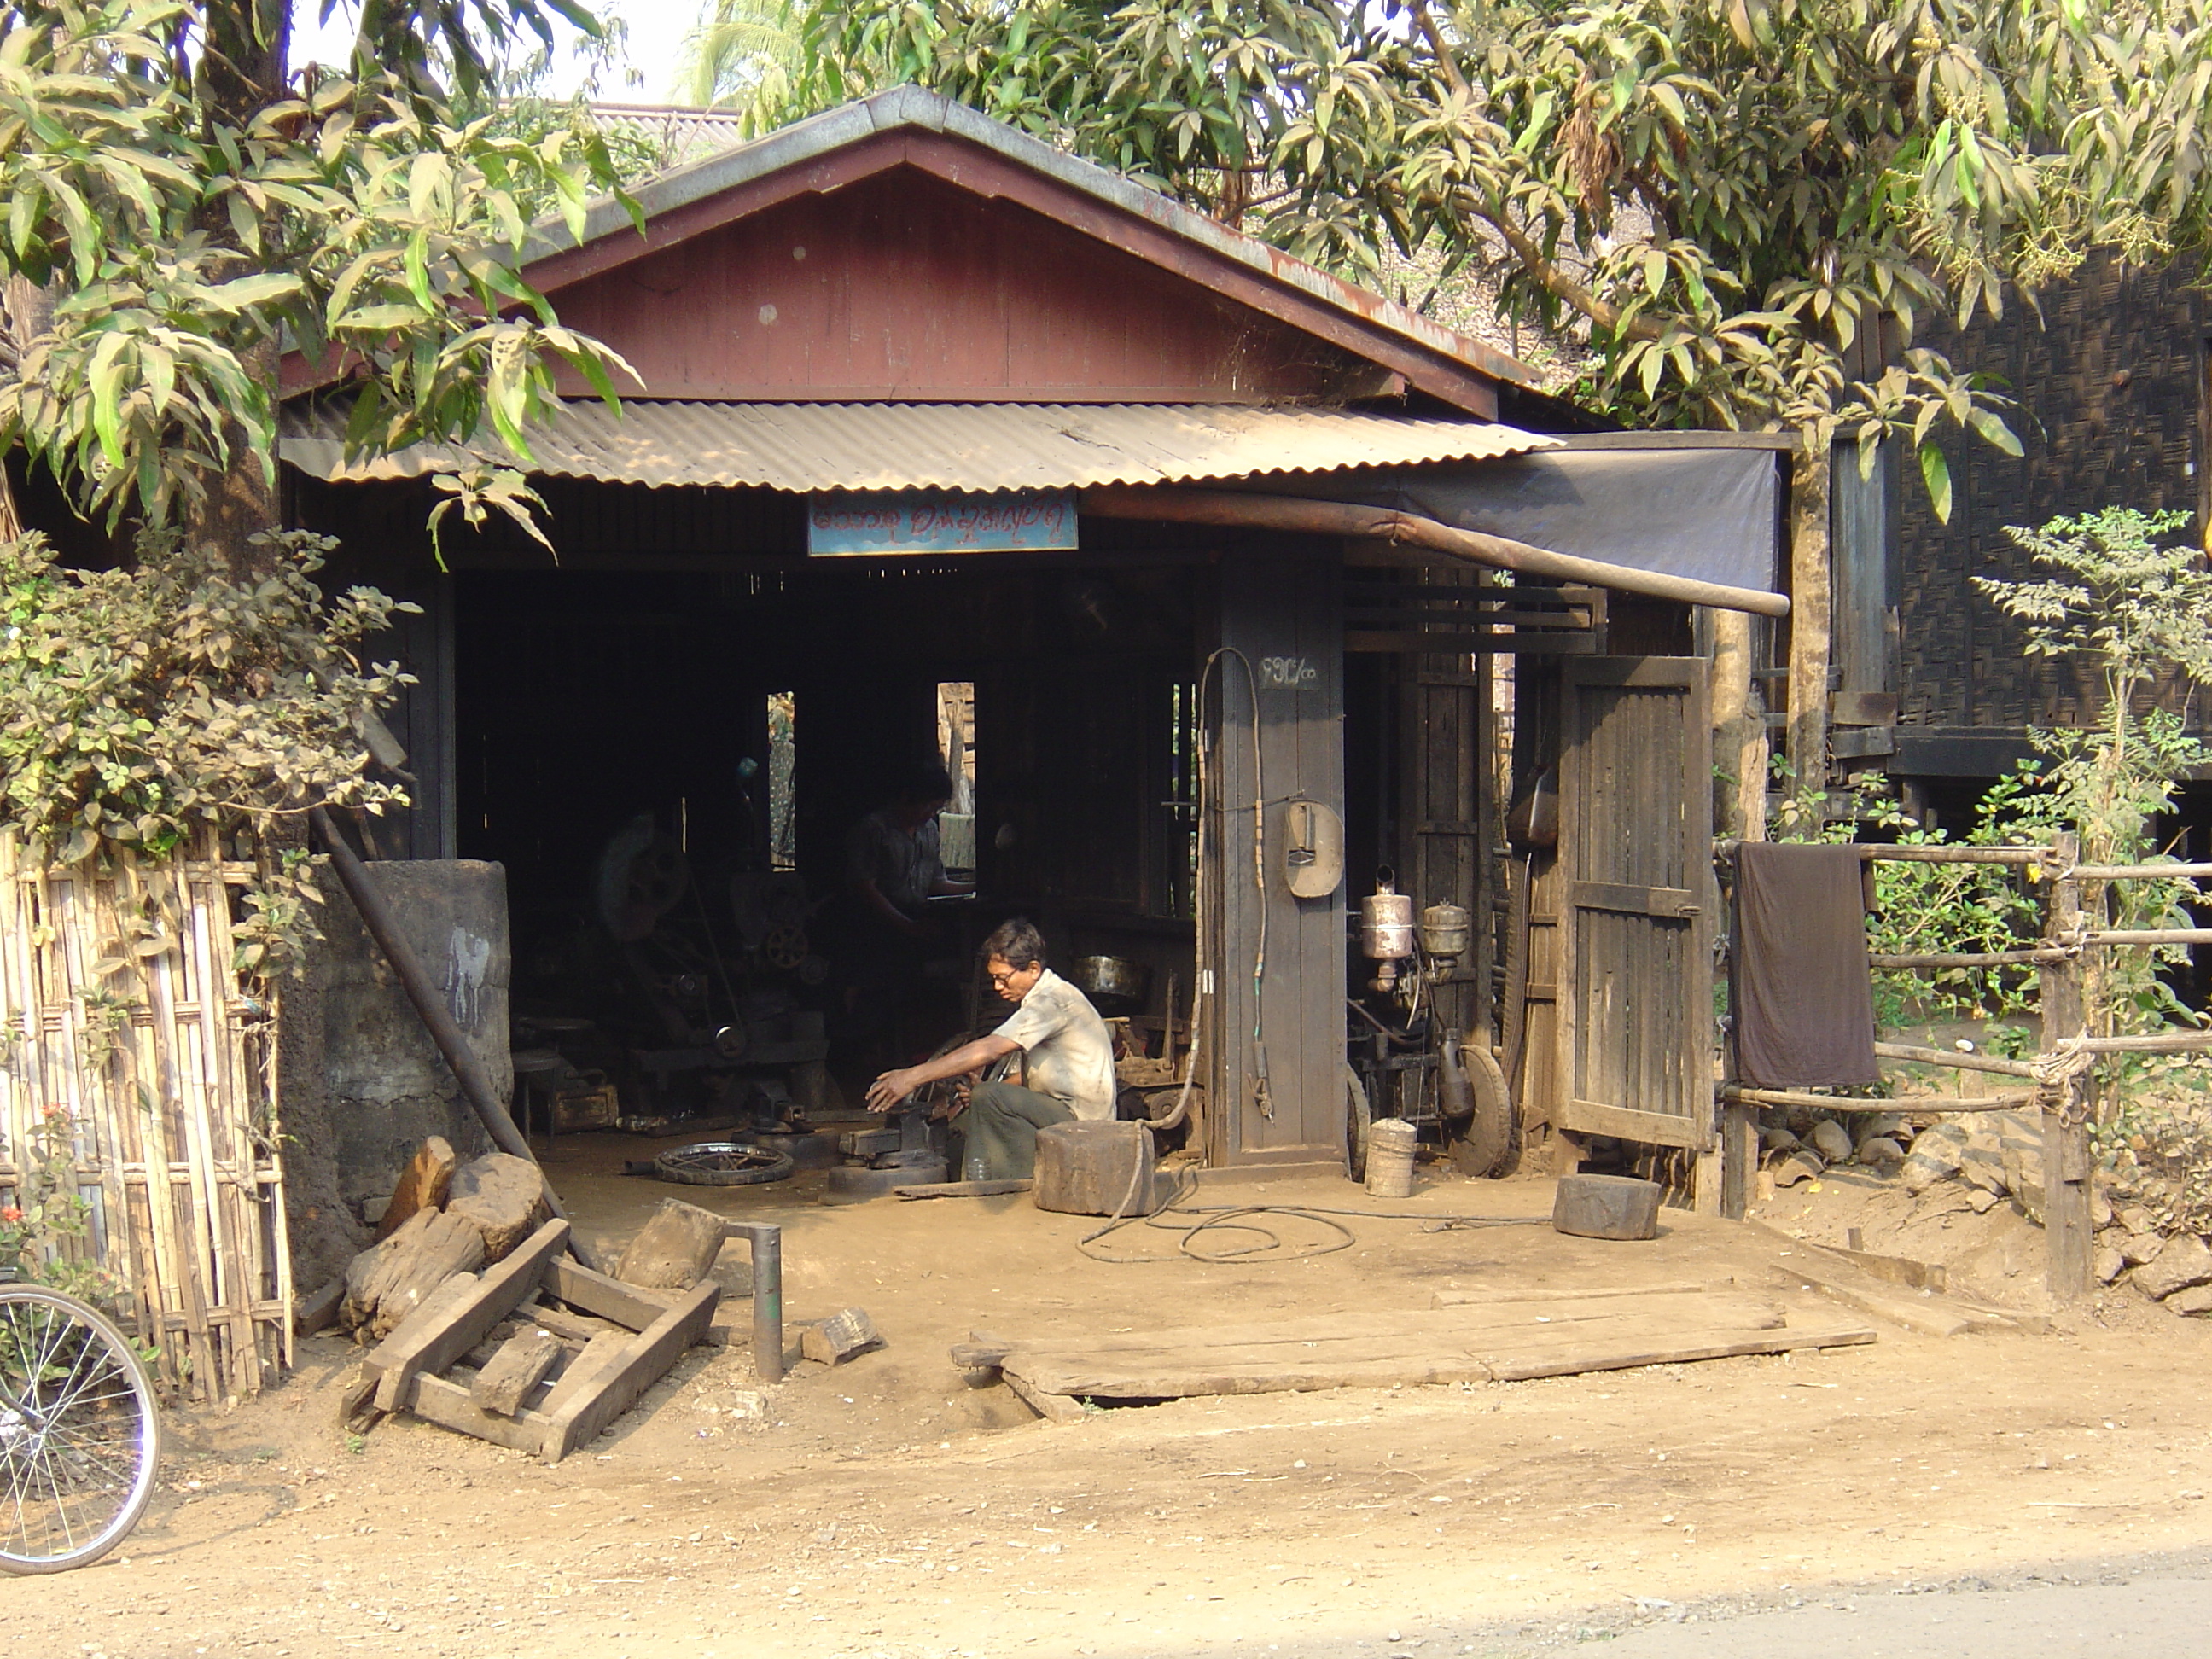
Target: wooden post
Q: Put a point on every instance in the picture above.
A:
(1808, 635)
(2066, 1164)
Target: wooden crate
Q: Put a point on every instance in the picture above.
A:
(570, 1407)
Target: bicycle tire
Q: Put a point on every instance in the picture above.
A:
(722, 1164)
(79, 1432)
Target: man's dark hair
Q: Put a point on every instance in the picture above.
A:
(1015, 942)
(926, 782)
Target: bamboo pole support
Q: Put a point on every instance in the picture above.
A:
(2066, 1164)
(1957, 1062)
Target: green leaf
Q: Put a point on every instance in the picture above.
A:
(1935, 473)
(265, 289)
(1994, 431)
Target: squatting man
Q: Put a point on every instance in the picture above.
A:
(1067, 1060)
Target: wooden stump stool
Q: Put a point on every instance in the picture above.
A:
(1607, 1206)
(1094, 1169)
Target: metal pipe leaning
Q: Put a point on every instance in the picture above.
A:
(438, 1019)
(1296, 513)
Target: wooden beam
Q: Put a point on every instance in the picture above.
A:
(1176, 505)
(1853, 1103)
(1956, 1061)
(425, 1345)
(647, 1361)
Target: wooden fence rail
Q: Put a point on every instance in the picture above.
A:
(124, 1028)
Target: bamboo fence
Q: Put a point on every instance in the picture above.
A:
(119, 1004)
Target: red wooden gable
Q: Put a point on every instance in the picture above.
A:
(902, 285)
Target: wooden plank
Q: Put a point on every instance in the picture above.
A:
(1485, 1299)
(572, 1326)
(645, 1362)
(1926, 1315)
(963, 1188)
(422, 1345)
(1057, 1407)
(1595, 1117)
(600, 1355)
(1426, 1324)
(630, 1306)
(448, 1406)
(520, 1365)
(1176, 1374)
(1684, 1349)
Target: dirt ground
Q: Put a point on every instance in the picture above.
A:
(886, 1509)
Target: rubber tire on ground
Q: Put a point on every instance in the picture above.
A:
(1358, 1113)
(103, 1330)
(667, 1166)
(1489, 1139)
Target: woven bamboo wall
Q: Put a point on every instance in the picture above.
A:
(2111, 382)
(121, 1006)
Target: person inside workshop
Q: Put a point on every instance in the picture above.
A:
(892, 862)
(1067, 1061)
(893, 869)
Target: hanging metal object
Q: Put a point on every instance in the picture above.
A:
(1386, 930)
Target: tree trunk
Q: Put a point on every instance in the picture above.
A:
(242, 69)
(1739, 747)
(1809, 638)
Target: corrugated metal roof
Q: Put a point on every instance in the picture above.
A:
(957, 446)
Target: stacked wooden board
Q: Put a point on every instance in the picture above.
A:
(614, 1341)
(1496, 1342)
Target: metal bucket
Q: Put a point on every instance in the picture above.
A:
(1116, 979)
(1391, 1143)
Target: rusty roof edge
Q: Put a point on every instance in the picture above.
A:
(911, 107)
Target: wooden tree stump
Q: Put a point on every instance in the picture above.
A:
(502, 1196)
(675, 1249)
(839, 1337)
(1094, 1168)
(521, 1366)
(423, 1185)
(388, 1281)
(1607, 1206)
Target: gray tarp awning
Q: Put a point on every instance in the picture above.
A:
(1708, 514)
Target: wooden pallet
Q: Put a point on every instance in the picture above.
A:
(1506, 1342)
(578, 1398)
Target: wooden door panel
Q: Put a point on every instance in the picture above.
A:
(1635, 942)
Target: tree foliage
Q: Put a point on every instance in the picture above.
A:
(2136, 608)
(142, 708)
(1728, 196)
(194, 223)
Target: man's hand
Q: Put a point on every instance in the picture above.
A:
(888, 1090)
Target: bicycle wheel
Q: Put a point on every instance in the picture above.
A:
(80, 1438)
(723, 1163)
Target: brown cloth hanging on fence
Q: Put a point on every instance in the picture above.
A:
(1804, 989)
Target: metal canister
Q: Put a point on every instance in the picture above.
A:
(1386, 925)
(1446, 931)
